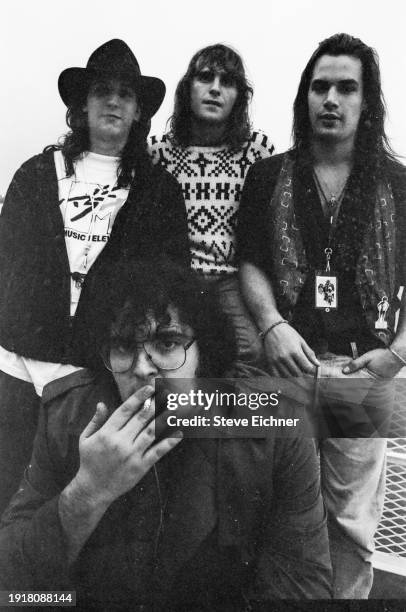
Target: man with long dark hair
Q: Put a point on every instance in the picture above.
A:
(329, 213)
(96, 197)
(209, 148)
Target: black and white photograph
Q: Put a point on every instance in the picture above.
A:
(203, 232)
(326, 291)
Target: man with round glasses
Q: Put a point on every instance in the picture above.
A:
(166, 350)
(134, 522)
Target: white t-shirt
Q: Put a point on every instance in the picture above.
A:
(39, 373)
(89, 202)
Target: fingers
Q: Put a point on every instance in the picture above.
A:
(142, 421)
(355, 364)
(305, 365)
(288, 354)
(129, 408)
(306, 360)
(290, 368)
(98, 419)
(146, 433)
(163, 447)
(310, 355)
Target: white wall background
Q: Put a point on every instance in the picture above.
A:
(275, 37)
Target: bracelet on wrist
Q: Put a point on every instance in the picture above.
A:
(403, 361)
(266, 331)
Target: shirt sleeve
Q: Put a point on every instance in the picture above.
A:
(264, 147)
(33, 553)
(295, 560)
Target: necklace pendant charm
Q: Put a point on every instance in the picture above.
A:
(382, 307)
(326, 291)
(333, 200)
(78, 279)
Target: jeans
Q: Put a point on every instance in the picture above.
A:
(249, 345)
(357, 405)
(353, 488)
(353, 479)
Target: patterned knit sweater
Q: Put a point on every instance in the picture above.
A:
(212, 179)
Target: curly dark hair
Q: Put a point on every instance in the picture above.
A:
(372, 145)
(132, 291)
(134, 157)
(218, 57)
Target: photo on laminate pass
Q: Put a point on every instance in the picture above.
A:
(202, 308)
(326, 293)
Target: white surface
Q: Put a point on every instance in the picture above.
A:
(40, 38)
(389, 563)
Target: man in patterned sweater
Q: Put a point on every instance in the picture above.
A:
(209, 149)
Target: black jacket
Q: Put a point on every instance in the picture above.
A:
(34, 269)
(240, 515)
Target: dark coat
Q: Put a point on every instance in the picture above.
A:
(34, 268)
(255, 501)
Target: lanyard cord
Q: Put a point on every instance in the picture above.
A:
(333, 205)
(92, 221)
(79, 277)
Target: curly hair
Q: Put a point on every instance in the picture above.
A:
(218, 57)
(372, 146)
(134, 157)
(133, 291)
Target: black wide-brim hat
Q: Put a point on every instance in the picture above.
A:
(113, 59)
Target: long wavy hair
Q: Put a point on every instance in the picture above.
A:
(372, 148)
(219, 57)
(134, 159)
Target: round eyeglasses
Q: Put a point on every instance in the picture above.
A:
(165, 354)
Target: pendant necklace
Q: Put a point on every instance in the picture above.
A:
(334, 200)
(79, 277)
(326, 282)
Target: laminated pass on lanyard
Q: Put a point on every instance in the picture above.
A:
(326, 282)
(326, 286)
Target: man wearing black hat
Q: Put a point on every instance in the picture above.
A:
(68, 211)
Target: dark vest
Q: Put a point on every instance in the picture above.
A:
(375, 269)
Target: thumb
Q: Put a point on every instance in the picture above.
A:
(98, 419)
(355, 364)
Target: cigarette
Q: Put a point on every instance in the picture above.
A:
(147, 403)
